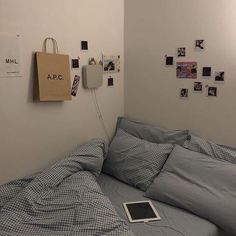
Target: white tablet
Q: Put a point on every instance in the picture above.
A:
(141, 211)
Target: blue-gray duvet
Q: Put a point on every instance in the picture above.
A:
(62, 200)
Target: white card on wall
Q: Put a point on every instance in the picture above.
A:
(111, 64)
(9, 55)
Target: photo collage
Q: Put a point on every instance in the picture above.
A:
(189, 70)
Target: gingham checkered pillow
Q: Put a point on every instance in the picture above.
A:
(135, 161)
(209, 148)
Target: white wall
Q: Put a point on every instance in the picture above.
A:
(154, 28)
(33, 135)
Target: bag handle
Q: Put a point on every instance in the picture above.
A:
(54, 44)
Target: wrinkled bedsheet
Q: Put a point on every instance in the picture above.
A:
(174, 221)
(62, 200)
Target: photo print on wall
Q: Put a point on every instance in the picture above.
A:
(219, 77)
(111, 64)
(169, 61)
(200, 44)
(75, 63)
(84, 45)
(75, 85)
(183, 93)
(110, 81)
(181, 52)
(186, 70)
(206, 71)
(212, 91)
(197, 87)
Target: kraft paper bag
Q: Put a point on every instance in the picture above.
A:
(53, 71)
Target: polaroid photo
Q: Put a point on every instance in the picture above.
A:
(84, 45)
(75, 63)
(206, 71)
(169, 61)
(200, 44)
(184, 93)
(181, 52)
(212, 91)
(197, 87)
(111, 64)
(219, 77)
(110, 81)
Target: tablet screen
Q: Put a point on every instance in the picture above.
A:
(141, 211)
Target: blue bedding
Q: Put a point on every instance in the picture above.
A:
(174, 221)
(62, 200)
(66, 199)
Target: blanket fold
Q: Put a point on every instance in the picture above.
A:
(65, 199)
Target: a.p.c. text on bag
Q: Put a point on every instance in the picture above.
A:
(53, 71)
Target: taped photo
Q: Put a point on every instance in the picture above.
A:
(186, 70)
(200, 44)
(212, 91)
(183, 93)
(111, 64)
(181, 52)
(75, 85)
(219, 77)
(206, 71)
(197, 87)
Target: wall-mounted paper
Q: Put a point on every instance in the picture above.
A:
(186, 70)
(9, 55)
(111, 64)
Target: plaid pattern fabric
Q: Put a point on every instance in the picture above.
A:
(11, 189)
(62, 200)
(135, 161)
(209, 148)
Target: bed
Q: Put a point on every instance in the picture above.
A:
(64, 199)
(174, 221)
(191, 182)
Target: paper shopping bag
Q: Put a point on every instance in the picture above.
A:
(53, 72)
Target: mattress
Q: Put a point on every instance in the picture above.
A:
(174, 221)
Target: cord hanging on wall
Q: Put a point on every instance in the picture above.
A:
(92, 79)
(99, 113)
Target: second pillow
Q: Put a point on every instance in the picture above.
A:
(135, 161)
